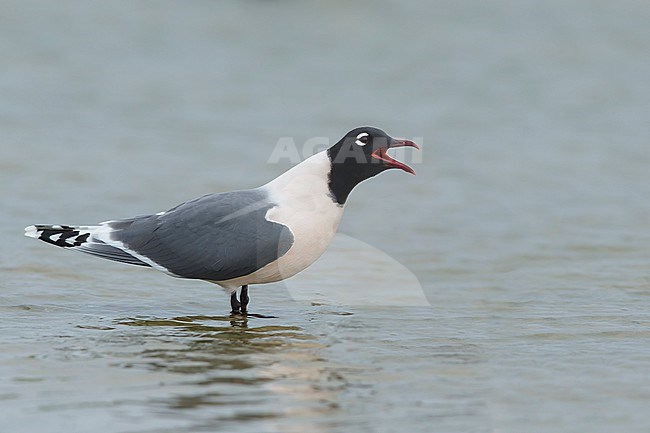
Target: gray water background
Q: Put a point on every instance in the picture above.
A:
(527, 224)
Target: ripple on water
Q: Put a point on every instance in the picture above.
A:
(252, 372)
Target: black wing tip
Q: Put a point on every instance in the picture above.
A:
(59, 235)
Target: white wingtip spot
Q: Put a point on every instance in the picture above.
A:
(31, 232)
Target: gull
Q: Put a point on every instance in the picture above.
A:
(251, 236)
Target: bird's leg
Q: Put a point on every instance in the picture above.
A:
(243, 297)
(234, 303)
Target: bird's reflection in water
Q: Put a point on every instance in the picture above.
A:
(230, 369)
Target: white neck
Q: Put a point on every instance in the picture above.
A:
(302, 203)
(310, 177)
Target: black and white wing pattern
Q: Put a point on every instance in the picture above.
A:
(215, 237)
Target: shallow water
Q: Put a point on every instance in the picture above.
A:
(518, 254)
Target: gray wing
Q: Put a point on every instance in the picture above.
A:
(215, 237)
(100, 249)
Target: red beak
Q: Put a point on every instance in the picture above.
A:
(381, 155)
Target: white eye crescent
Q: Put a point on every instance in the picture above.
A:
(362, 139)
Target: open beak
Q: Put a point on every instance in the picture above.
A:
(381, 154)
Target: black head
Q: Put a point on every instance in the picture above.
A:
(360, 155)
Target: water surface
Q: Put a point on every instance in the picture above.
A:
(526, 226)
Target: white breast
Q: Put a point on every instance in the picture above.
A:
(305, 206)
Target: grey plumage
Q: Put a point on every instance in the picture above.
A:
(215, 237)
(100, 249)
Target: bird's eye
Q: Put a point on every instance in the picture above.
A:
(362, 139)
